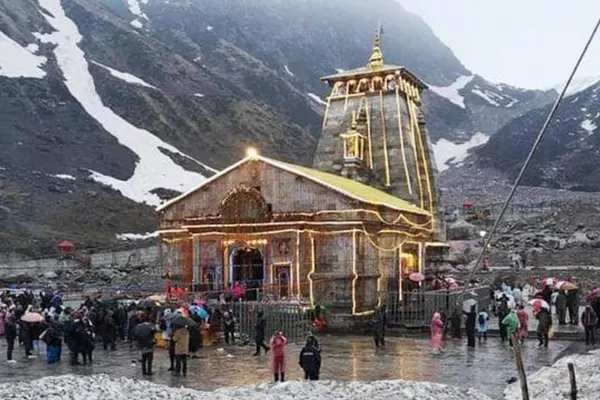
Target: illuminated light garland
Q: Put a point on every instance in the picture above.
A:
(298, 263)
(385, 231)
(421, 258)
(364, 101)
(414, 146)
(400, 273)
(384, 136)
(312, 271)
(357, 210)
(272, 224)
(355, 275)
(408, 183)
(427, 163)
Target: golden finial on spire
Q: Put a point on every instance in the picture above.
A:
(376, 59)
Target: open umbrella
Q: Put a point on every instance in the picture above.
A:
(157, 297)
(593, 293)
(416, 277)
(539, 303)
(181, 321)
(144, 332)
(32, 317)
(467, 304)
(565, 285)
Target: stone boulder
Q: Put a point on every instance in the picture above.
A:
(461, 230)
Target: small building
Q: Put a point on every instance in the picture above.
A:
(345, 232)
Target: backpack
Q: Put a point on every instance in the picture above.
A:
(481, 319)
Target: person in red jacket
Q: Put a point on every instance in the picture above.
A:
(277, 345)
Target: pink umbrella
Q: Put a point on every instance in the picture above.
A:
(539, 303)
(593, 293)
(548, 282)
(566, 285)
(32, 317)
(416, 277)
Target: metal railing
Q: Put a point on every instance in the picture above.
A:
(293, 319)
(416, 308)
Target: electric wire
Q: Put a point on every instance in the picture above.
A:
(538, 140)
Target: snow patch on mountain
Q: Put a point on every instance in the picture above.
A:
(136, 236)
(134, 7)
(577, 85)
(136, 23)
(588, 125)
(64, 177)
(198, 95)
(209, 28)
(448, 153)
(451, 92)
(316, 98)
(339, 70)
(125, 76)
(20, 62)
(288, 70)
(153, 169)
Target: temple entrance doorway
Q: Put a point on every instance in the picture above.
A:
(248, 269)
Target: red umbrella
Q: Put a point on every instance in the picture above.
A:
(416, 277)
(539, 303)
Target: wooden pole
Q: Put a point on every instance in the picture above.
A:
(520, 367)
(573, 381)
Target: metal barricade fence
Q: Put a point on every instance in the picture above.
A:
(416, 308)
(292, 319)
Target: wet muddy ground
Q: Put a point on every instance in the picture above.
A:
(485, 368)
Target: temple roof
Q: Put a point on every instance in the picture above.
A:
(345, 186)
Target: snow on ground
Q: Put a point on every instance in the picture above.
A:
(447, 152)
(198, 95)
(451, 92)
(588, 125)
(101, 387)
(136, 236)
(317, 98)
(288, 70)
(19, 62)
(553, 382)
(487, 96)
(65, 177)
(136, 23)
(125, 76)
(153, 169)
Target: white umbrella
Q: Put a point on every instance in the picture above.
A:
(467, 304)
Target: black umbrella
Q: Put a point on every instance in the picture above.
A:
(144, 332)
(181, 321)
(145, 304)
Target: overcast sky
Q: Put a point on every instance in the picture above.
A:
(525, 43)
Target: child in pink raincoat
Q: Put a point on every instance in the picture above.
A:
(277, 345)
(436, 328)
(523, 318)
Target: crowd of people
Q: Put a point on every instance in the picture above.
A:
(508, 306)
(28, 319)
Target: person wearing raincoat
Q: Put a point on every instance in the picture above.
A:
(511, 324)
(482, 321)
(544, 325)
(435, 329)
(523, 322)
(277, 345)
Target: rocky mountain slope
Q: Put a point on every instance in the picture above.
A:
(109, 106)
(568, 155)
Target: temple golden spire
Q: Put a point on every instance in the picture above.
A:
(376, 59)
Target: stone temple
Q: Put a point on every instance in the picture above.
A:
(345, 232)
